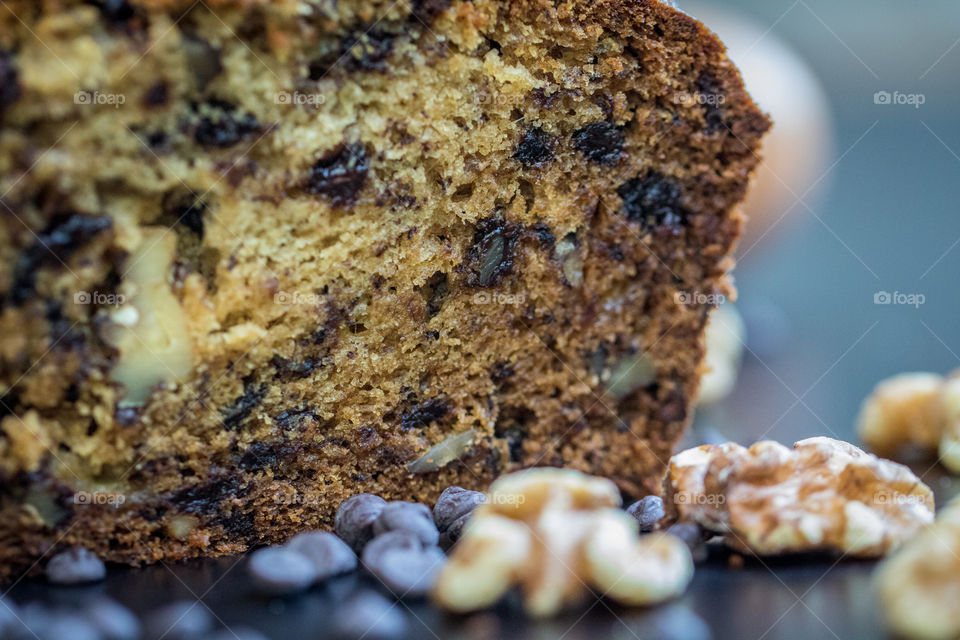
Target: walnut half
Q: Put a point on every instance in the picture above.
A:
(919, 585)
(823, 494)
(918, 410)
(557, 533)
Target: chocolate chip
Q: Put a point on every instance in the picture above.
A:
(399, 559)
(434, 292)
(427, 10)
(368, 51)
(408, 516)
(355, 518)
(329, 554)
(535, 148)
(364, 50)
(544, 235)
(221, 124)
(694, 536)
(449, 537)
(115, 12)
(712, 96)
(75, 566)
(369, 615)
(236, 414)
(112, 620)
(648, 511)
(490, 256)
(184, 208)
(182, 620)
(33, 616)
(158, 140)
(9, 80)
(673, 622)
(38, 622)
(294, 370)
(424, 413)
(674, 407)
(453, 504)
(339, 175)
(600, 142)
(156, 95)
(9, 616)
(281, 571)
(652, 200)
(399, 539)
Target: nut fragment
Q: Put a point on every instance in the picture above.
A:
(156, 347)
(635, 570)
(919, 410)
(950, 439)
(648, 512)
(901, 411)
(920, 584)
(822, 495)
(724, 339)
(555, 533)
(442, 454)
(487, 561)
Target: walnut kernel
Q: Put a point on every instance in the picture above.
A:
(919, 585)
(823, 494)
(901, 411)
(556, 533)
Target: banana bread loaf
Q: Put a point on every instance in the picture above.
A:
(259, 256)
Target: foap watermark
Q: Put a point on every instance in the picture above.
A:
(99, 298)
(294, 497)
(690, 99)
(288, 298)
(899, 499)
(505, 499)
(899, 298)
(299, 97)
(486, 297)
(698, 298)
(99, 98)
(494, 98)
(99, 498)
(910, 99)
(702, 499)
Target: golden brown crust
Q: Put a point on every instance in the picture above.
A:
(387, 230)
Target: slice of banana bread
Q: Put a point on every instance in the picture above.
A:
(259, 256)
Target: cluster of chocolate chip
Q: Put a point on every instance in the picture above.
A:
(397, 542)
(102, 618)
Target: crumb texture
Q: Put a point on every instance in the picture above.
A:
(257, 257)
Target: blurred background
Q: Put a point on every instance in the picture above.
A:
(858, 196)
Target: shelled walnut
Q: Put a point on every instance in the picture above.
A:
(914, 410)
(556, 533)
(903, 411)
(920, 584)
(823, 494)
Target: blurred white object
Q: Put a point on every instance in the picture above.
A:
(725, 337)
(797, 150)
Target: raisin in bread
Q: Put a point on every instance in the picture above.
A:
(259, 256)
